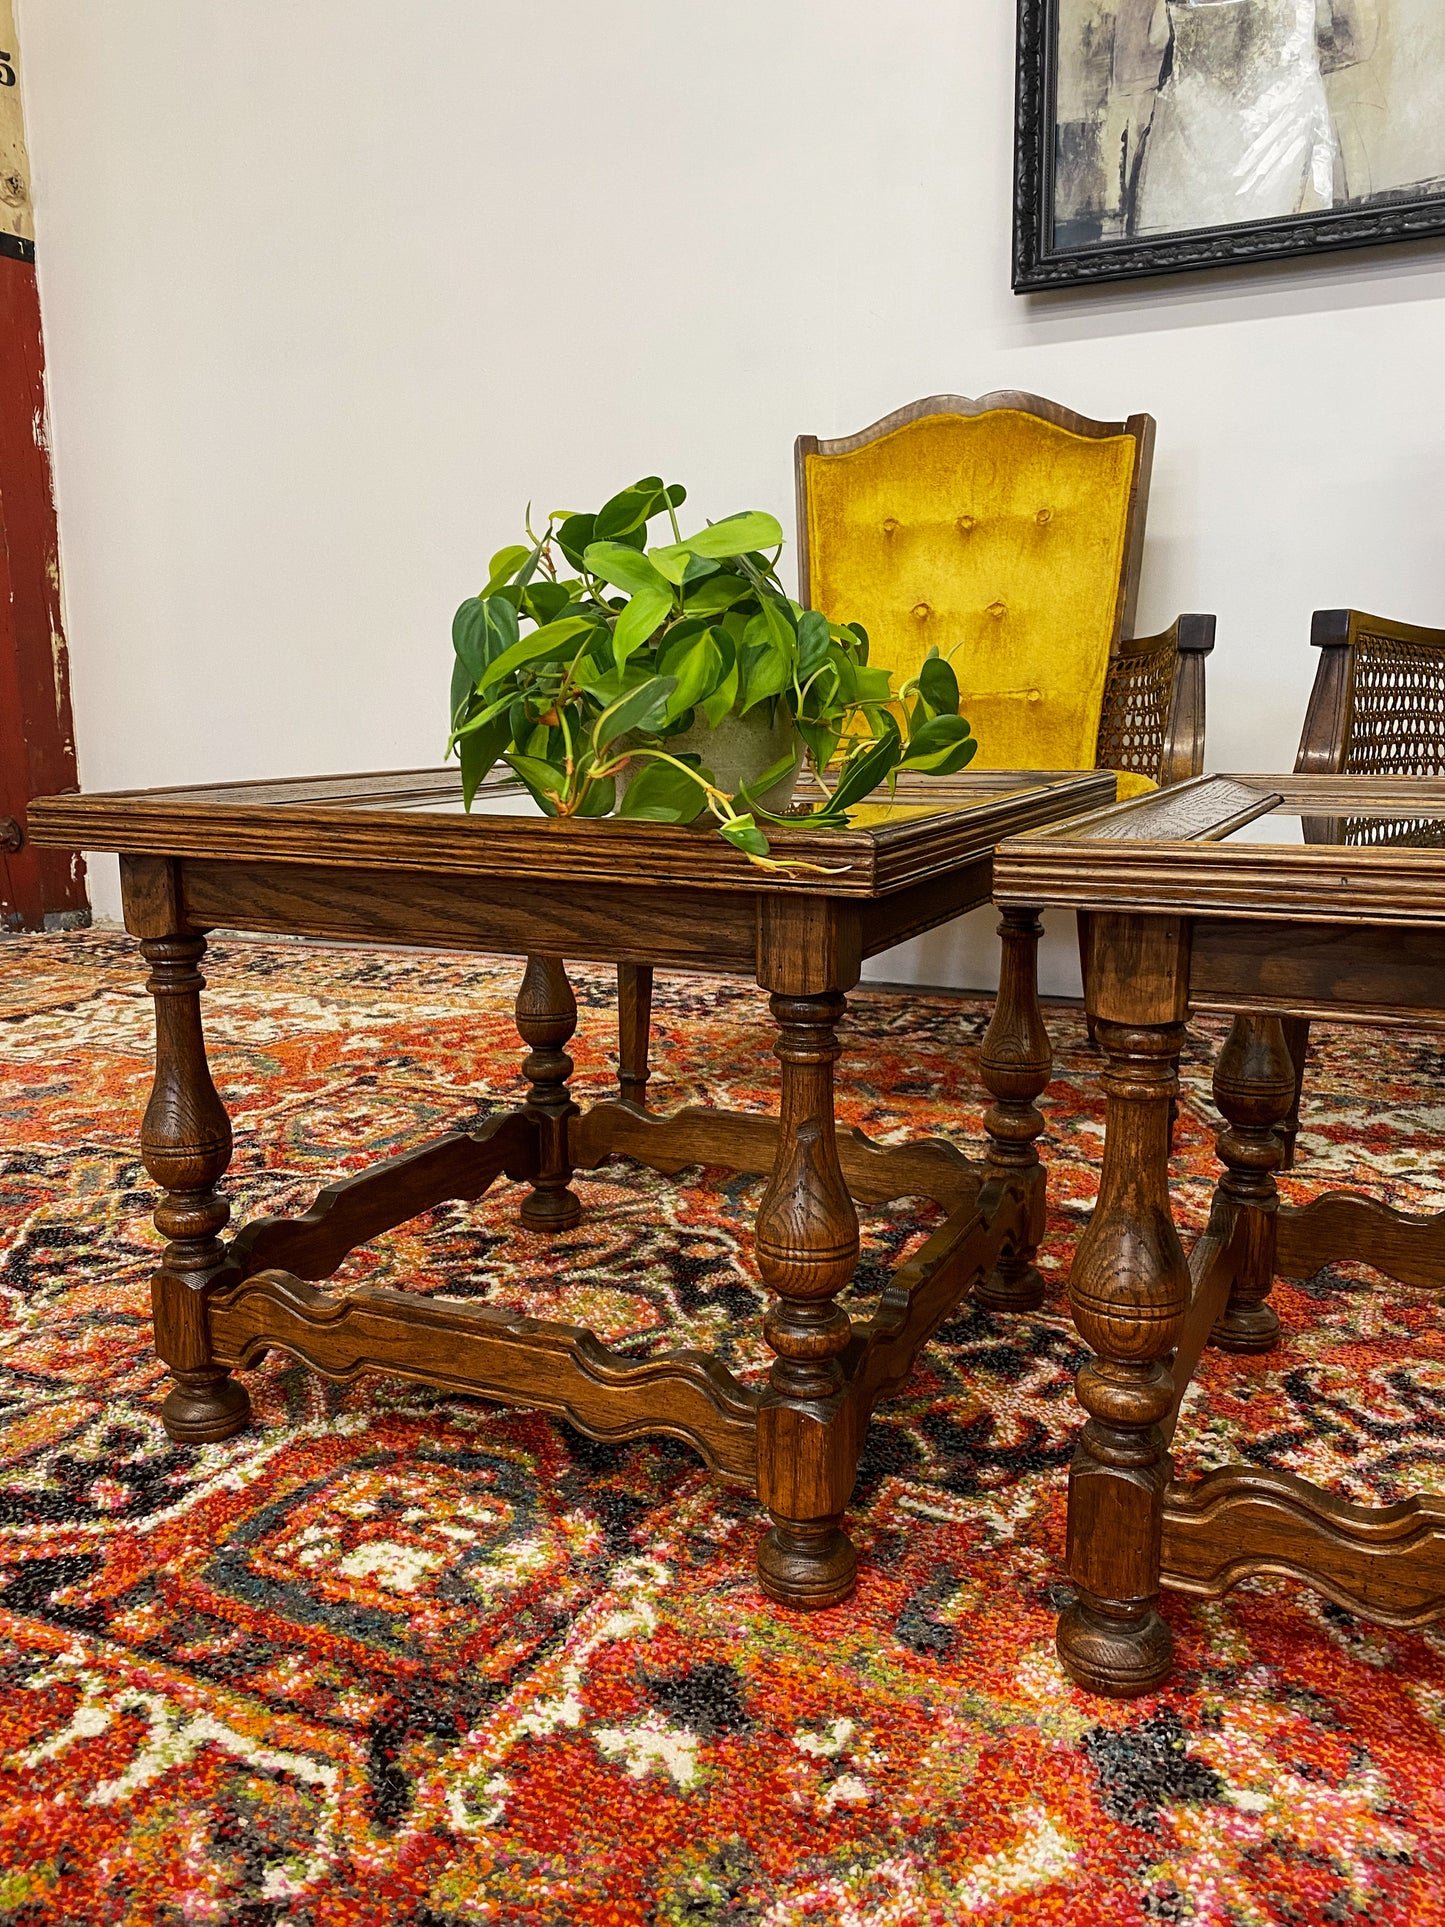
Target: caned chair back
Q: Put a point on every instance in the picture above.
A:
(1378, 704)
(1007, 532)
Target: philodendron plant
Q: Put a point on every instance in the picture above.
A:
(589, 654)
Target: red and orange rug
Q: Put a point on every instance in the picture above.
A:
(403, 1657)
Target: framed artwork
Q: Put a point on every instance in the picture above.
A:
(1155, 135)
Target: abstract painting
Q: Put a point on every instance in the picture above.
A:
(1154, 135)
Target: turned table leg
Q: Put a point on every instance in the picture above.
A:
(1015, 1064)
(1129, 1289)
(1254, 1087)
(186, 1147)
(546, 1019)
(807, 1246)
(634, 1032)
(1296, 1031)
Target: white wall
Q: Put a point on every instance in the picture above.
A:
(332, 288)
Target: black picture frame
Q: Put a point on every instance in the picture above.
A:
(1038, 264)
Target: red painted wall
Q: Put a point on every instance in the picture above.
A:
(37, 737)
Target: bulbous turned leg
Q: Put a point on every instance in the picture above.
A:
(186, 1147)
(634, 1032)
(807, 1246)
(1015, 1064)
(546, 1019)
(1129, 1290)
(1254, 1087)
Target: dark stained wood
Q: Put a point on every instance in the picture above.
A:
(1386, 1563)
(496, 1354)
(1015, 1064)
(546, 1019)
(748, 1141)
(1254, 1088)
(1342, 733)
(1412, 740)
(807, 1248)
(1213, 1259)
(921, 1294)
(1181, 920)
(1132, 857)
(380, 859)
(1297, 1042)
(634, 1031)
(1383, 975)
(1403, 1245)
(186, 1147)
(464, 1164)
(689, 929)
(1130, 1288)
(359, 833)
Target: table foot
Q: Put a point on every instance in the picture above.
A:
(1114, 1649)
(546, 1019)
(204, 1406)
(807, 1564)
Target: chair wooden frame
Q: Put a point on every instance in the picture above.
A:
(1342, 737)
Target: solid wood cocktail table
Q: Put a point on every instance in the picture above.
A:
(1266, 897)
(392, 859)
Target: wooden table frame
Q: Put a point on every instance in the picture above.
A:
(377, 859)
(1181, 921)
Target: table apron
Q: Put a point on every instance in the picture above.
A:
(595, 922)
(1343, 970)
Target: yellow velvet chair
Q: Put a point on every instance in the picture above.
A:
(1008, 533)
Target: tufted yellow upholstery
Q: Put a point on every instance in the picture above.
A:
(1000, 538)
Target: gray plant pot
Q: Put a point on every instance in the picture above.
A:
(741, 748)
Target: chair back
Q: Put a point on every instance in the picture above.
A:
(1378, 703)
(1006, 531)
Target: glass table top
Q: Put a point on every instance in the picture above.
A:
(1291, 825)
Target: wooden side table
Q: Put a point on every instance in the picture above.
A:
(391, 858)
(1208, 898)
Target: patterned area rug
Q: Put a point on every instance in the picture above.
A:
(398, 1656)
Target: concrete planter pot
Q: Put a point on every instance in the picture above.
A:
(740, 749)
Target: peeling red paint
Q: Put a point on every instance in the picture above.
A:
(37, 735)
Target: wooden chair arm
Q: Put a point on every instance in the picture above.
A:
(1153, 715)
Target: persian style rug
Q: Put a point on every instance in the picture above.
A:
(398, 1656)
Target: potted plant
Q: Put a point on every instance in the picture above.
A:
(676, 682)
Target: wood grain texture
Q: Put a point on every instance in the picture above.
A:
(922, 1293)
(1213, 1260)
(1130, 1288)
(685, 929)
(748, 1141)
(1378, 974)
(1253, 1089)
(1114, 860)
(186, 1148)
(355, 1210)
(1015, 1064)
(807, 1250)
(362, 833)
(1386, 1563)
(496, 1354)
(1346, 1225)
